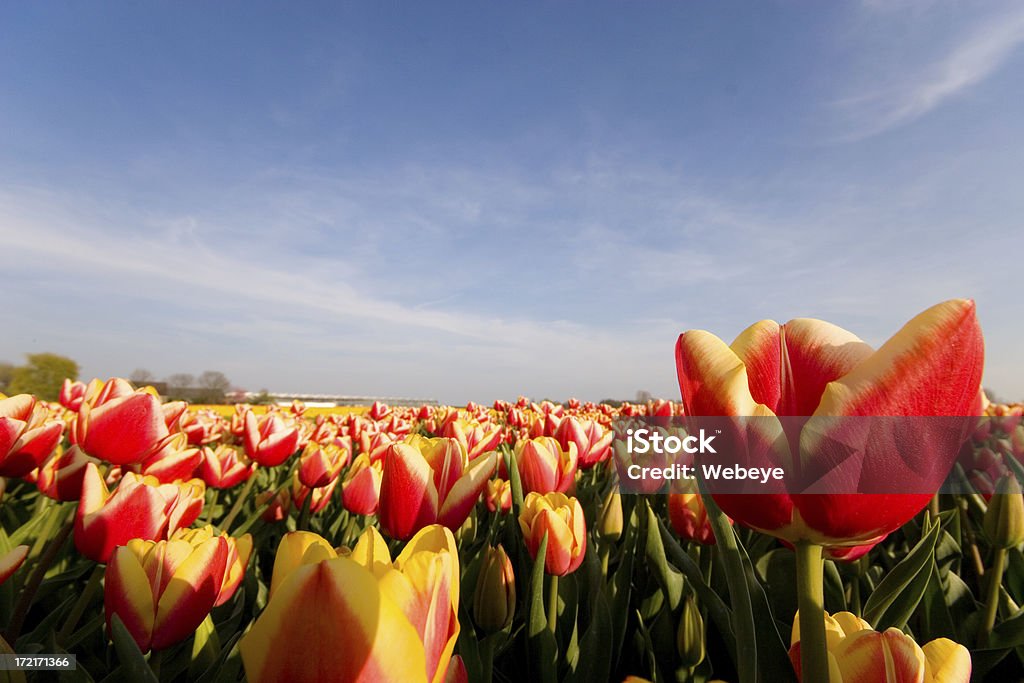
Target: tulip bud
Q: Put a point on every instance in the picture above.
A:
(611, 516)
(1004, 519)
(494, 602)
(690, 636)
(560, 518)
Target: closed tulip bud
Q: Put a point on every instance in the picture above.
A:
(690, 635)
(494, 602)
(163, 590)
(499, 495)
(1004, 518)
(561, 519)
(689, 518)
(611, 516)
(360, 492)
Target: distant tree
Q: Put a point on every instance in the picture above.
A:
(42, 375)
(140, 377)
(213, 386)
(180, 386)
(6, 375)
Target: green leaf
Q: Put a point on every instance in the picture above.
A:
(670, 579)
(516, 482)
(541, 640)
(133, 662)
(595, 647)
(205, 648)
(897, 595)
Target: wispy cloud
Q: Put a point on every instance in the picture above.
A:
(915, 91)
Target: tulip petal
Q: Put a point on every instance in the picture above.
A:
(932, 366)
(190, 593)
(126, 429)
(372, 552)
(11, 561)
(408, 496)
(127, 593)
(466, 491)
(331, 622)
(946, 662)
(788, 366)
(298, 548)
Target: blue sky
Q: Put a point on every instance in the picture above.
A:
(477, 200)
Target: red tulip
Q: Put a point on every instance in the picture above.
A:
(360, 492)
(140, 507)
(27, 435)
(118, 424)
(545, 466)
(224, 467)
(593, 442)
(72, 394)
(269, 441)
(60, 477)
(812, 368)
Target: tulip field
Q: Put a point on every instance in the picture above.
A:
(154, 541)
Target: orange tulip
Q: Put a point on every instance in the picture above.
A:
(140, 507)
(163, 590)
(561, 519)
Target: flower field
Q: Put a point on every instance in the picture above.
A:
(155, 542)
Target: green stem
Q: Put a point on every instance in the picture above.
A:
(739, 591)
(28, 593)
(487, 659)
(84, 598)
(995, 582)
(553, 603)
(156, 660)
(303, 523)
(239, 502)
(810, 590)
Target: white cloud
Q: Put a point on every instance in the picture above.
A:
(914, 91)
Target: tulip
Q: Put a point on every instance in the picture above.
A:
(689, 518)
(812, 368)
(11, 561)
(610, 526)
(223, 467)
(201, 428)
(269, 441)
(72, 394)
(360, 492)
(593, 442)
(141, 507)
(499, 495)
(561, 519)
(318, 497)
(1004, 519)
(27, 435)
(60, 477)
(175, 461)
(344, 618)
(690, 635)
(320, 465)
(477, 438)
(163, 590)
(859, 654)
(494, 601)
(545, 466)
(430, 481)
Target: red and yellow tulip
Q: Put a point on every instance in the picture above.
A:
(27, 434)
(545, 466)
(430, 481)
(812, 368)
(859, 654)
(163, 590)
(345, 618)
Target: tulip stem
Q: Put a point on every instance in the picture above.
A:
(303, 524)
(995, 582)
(239, 502)
(739, 590)
(28, 593)
(553, 603)
(810, 589)
(84, 598)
